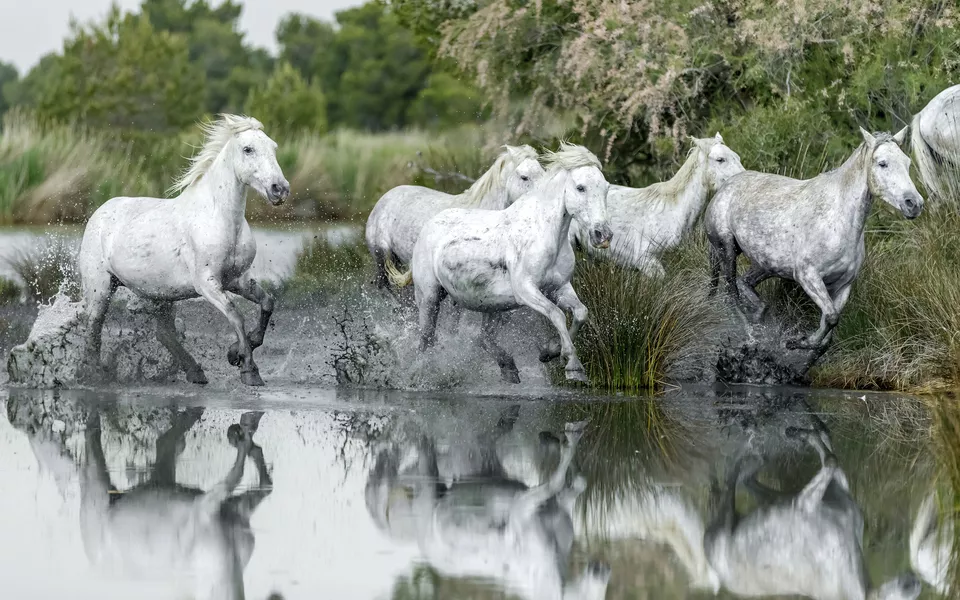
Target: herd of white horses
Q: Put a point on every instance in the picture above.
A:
(508, 241)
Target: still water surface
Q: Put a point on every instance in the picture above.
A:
(379, 495)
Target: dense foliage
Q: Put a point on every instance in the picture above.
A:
(779, 79)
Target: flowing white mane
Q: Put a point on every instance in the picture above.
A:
(494, 176)
(217, 135)
(570, 156)
(669, 190)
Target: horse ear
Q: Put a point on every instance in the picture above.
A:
(718, 137)
(868, 137)
(901, 136)
(699, 144)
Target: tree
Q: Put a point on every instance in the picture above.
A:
(447, 101)
(371, 68)
(9, 77)
(123, 74)
(287, 104)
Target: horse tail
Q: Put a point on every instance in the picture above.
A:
(926, 159)
(398, 278)
(924, 525)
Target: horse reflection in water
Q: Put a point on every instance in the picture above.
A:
(162, 529)
(808, 544)
(485, 524)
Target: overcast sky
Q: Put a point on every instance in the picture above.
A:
(32, 28)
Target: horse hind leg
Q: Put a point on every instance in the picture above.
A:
(167, 334)
(98, 289)
(488, 332)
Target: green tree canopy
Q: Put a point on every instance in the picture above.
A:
(286, 103)
(9, 77)
(125, 74)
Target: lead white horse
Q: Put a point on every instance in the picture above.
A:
(646, 222)
(197, 244)
(935, 142)
(395, 222)
(810, 231)
(497, 261)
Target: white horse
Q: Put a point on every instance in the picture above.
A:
(810, 231)
(395, 222)
(489, 526)
(809, 544)
(935, 142)
(496, 261)
(197, 244)
(646, 222)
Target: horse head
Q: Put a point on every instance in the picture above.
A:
(584, 192)
(720, 162)
(888, 172)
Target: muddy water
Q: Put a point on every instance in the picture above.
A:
(376, 495)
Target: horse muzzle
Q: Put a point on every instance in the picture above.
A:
(278, 193)
(600, 236)
(912, 206)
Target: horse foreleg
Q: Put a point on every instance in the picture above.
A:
(566, 299)
(167, 334)
(94, 486)
(248, 288)
(813, 285)
(213, 292)
(528, 294)
(488, 340)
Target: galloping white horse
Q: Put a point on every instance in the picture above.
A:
(646, 222)
(197, 244)
(810, 231)
(496, 261)
(395, 222)
(935, 142)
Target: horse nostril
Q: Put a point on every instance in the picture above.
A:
(909, 202)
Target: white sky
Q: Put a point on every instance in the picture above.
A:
(32, 28)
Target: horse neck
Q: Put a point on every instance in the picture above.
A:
(495, 197)
(688, 189)
(854, 197)
(553, 207)
(222, 192)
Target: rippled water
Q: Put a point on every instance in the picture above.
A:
(374, 495)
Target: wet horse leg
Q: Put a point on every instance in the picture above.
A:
(528, 293)
(96, 297)
(167, 334)
(247, 503)
(488, 341)
(95, 485)
(813, 285)
(429, 296)
(748, 291)
(248, 288)
(212, 291)
(566, 298)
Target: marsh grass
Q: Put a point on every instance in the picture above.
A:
(638, 327)
(9, 291)
(62, 173)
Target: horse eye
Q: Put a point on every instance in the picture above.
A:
(248, 150)
(581, 189)
(883, 164)
(721, 159)
(524, 178)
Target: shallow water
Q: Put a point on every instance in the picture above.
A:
(446, 465)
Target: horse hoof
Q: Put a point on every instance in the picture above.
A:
(578, 376)
(198, 377)
(251, 378)
(510, 375)
(233, 355)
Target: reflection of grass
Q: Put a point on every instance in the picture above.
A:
(946, 445)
